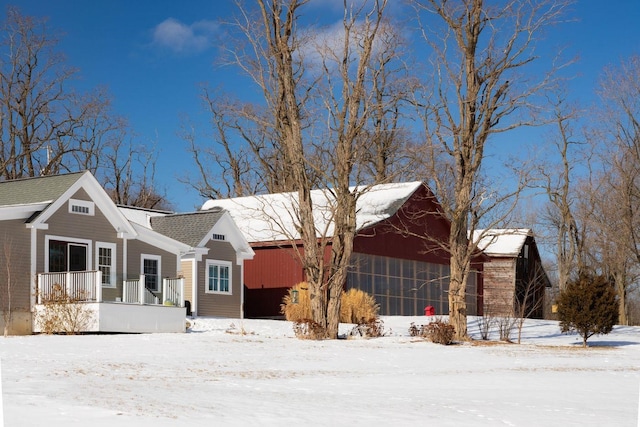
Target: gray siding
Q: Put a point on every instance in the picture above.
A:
(14, 248)
(219, 304)
(168, 261)
(95, 228)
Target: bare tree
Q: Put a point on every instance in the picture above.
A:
(46, 128)
(308, 133)
(612, 212)
(127, 173)
(557, 180)
(479, 50)
(8, 283)
(38, 113)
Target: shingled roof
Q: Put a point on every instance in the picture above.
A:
(189, 228)
(36, 190)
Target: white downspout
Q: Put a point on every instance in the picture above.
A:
(241, 288)
(32, 268)
(194, 286)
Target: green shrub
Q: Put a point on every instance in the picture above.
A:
(588, 306)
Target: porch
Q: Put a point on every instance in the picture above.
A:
(137, 310)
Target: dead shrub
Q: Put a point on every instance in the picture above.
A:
(486, 322)
(418, 330)
(309, 330)
(372, 328)
(438, 332)
(357, 306)
(441, 332)
(63, 313)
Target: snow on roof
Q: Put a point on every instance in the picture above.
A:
(502, 241)
(272, 217)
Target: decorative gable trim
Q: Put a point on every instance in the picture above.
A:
(101, 200)
(228, 228)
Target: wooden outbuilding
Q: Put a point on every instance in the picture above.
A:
(514, 278)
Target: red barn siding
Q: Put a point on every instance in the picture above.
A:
(268, 276)
(274, 269)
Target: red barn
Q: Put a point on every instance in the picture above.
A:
(398, 253)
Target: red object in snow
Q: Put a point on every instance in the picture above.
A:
(429, 310)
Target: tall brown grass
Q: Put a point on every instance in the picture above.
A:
(356, 306)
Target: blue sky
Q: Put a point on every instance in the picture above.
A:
(152, 55)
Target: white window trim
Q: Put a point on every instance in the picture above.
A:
(114, 258)
(157, 258)
(49, 237)
(227, 264)
(82, 203)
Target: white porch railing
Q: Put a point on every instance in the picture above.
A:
(135, 292)
(71, 285)
(173, 291)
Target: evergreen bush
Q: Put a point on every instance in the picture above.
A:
(589, 306)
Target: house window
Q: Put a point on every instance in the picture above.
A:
(67, 256)
(81, 207)
(151, 270)
(106, 263)
(218, 277)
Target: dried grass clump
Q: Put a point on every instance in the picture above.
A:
(357, 306)
(372, 328)
(309, 330)
(440, 332)
(297, 312)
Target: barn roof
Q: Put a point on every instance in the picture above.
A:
(272, 217)
(502, 242)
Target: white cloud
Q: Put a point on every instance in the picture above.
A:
(183, 38)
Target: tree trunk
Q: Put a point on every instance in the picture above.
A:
(621, 290)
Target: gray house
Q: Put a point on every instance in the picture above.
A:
(213, 270)
(64, 232)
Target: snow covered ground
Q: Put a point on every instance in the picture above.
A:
(215, 375)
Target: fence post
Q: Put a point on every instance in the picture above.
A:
(141, 289)
(98, 279)
(68, 284)
(39, 288)
(164, 290)
(181, 291)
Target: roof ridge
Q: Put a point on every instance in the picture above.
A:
(30, 178)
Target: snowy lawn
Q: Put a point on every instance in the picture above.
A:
(215, 375)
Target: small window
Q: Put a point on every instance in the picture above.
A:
(218, 277)
(217, 236)
(81, 207)
(151, 270)
(106, 263)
